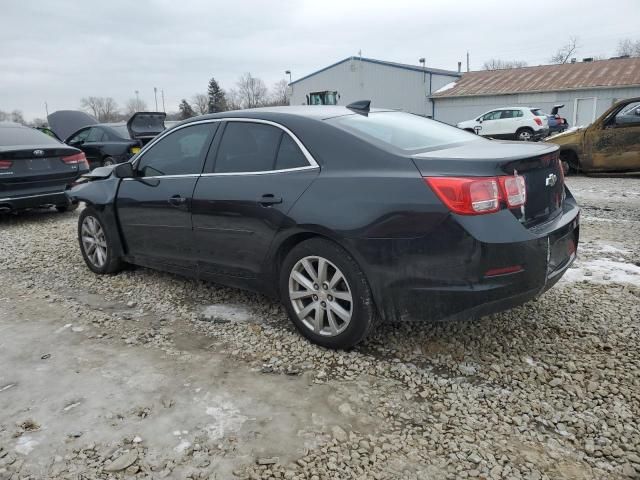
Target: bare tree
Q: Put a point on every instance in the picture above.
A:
(232, 99)
(279, 93)
(564, 53)
(105, 109)
(4, 116)
(628, 47)
(200, 103)
(16, 116)
(134, 105)
(498, 64)
(252, 91)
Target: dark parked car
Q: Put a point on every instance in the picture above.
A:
(557, 124)
(346, 214)
(35, 169)
(111, 143)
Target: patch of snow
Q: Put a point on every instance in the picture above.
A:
(182, 446)
(227, 418)
(25, 445)
(61, 329)
(448, 86)
(176, 433)
(606, 248)
(602, 270)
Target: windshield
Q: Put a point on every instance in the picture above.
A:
(404, 131)
(25, 136)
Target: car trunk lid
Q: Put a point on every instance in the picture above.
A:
(144, 126)
(537, 163)
(36, 168)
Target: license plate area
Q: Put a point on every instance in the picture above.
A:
(38, 164)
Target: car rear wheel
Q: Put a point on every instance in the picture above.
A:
(326, 294)
(524, 134)
(95, 244)
(108, 161)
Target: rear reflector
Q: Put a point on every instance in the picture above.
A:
(537, 120)
(76, 159)
(494, 272)
(5, 164)
(478, 195)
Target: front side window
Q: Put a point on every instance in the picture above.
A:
(507, 114)
(96, 134)
(179, 153)
(492, 115)
(81, 136)
(402, 131)
(247, 147)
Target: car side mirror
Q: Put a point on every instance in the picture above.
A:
(479, 120)
(124, 170)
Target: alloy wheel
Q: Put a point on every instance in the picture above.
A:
(320, 296)
(525, 136)
(94, 241)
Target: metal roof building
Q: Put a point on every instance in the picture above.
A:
(386, 84)
(586, 89)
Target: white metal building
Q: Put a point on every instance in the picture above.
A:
(587, 89)
(386, 84)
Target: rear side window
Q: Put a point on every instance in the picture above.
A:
(290, 155)
(537, 112)
(247, 147)
(25, 136)
(403, 131)
(95, 135)
(179, 153)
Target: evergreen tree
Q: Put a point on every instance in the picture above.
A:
(217, 98)
(185, 110)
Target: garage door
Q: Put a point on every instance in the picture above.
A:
(585, 111)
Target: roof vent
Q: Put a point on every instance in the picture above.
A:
(361, 106)
(587, 60)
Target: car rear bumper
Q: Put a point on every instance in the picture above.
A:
(9, 204)
(465, 274)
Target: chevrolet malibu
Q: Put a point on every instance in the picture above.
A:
(349, 215)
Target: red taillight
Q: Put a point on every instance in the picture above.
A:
(467, 196)
(537, 120)
(5, 164)
(514, 190)
(76, 159)
(479, 195)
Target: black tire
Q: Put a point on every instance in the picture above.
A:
(108, 161)
(570, 163)
(67, 207)
(112, 263)
(363, 311)
(521, 132)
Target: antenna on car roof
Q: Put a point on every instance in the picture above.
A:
(361, 106)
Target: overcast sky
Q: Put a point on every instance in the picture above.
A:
(62, 50)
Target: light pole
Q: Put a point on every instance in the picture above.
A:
(155, 94)
(163, 109)
(288, 72)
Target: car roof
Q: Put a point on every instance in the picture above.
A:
(317, 112)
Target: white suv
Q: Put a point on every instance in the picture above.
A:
(510, 123)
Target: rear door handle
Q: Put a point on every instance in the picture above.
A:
(177, 201)
(269, 199)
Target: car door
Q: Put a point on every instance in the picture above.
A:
(93, 145)
(154, 207)
(258, 172)
(614, 143)
(488, 125)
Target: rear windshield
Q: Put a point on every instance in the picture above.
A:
(537, 112)
(403, 131)
(25, 136)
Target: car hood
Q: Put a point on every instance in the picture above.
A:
(570, 132)
(65, 122)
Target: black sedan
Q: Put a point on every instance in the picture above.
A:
(348, 215)
(35, 169)
(110, 143)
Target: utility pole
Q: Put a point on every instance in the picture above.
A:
(155, 94)
(467, 60)
(163, 109)
(46, 109)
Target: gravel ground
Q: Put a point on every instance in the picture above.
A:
(548, 390)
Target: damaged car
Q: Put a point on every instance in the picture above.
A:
(610, 144)
(348, 215)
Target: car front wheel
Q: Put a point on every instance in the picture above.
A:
(108, 161)
(95, 244)
(326, 294)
